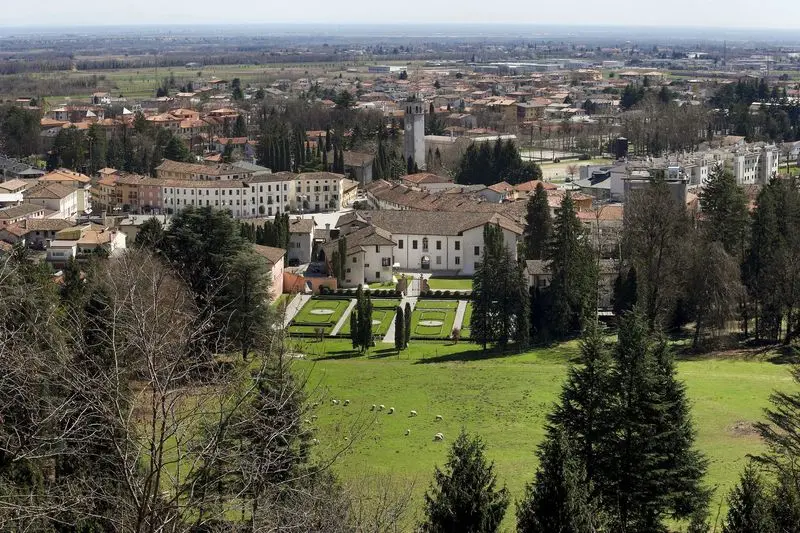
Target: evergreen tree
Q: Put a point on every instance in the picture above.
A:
(585, 405)
(73, 288)
(558, 500)
(463, 496)
(624, 297)
(355, 338)
(407, 327)
(399, 329)
(150, 235)
(239, 127)
(724, 206)
(748, 505)
(573, 287)
(246, 297)
(538, 225)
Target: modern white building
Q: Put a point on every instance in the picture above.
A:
(60, 199)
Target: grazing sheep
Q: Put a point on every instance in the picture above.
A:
(438, 436)
(373, 407)
(315, 441)
(347, 438)
(408, 432)
(306, 421)
(413, 413)
(438, 417)
(380, 407)
(346, 403)
(391, 410)
(335, 402)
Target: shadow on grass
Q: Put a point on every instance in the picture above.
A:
(477, 354)
(383, 353)
(339, 355)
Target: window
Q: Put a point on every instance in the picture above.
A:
(457, 260)
(438, 245)
(414, 244)
(366, 265)
(386, 262)
(355, 259)
(457, 245)
(377, 249)
(424, 244)
(400, 244)
(377, 275)
(438, 259)
(477, 250)
(348, 271)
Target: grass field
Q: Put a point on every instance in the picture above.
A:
(505, 399)
(450, 284)
(466, 331)
(319, 313)
(433, 319)
(383, 312)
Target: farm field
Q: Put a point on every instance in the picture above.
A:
(383, 312)
(505, 398)
(319, 313)
(433, 319)
(450, 284)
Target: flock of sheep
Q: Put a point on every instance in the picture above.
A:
(390, 411)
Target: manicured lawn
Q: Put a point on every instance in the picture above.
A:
(504, 398)
(450, 284)
(466, 331)
(319, 313)
(433, 319)
(383, 312)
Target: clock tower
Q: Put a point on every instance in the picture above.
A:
(414, 135)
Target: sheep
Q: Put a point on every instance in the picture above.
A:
(438, 436)
(373, 407)
(347, 438)
(380, 407)
(413, 413)
(315, 441)
(335, 402)
(408, 432)
(346, 403)
(438, 417)
(306, 421)
(391, 410)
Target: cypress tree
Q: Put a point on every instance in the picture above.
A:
(748, 505)
(407, 327)
(538, 224)
(624, 296)
(399, 329)
(463, 496)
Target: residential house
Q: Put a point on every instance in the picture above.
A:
(33, 232)
(369, 256)
(301, 241)
(61, 199)
(84, 241)
(275, 263)
(16, 213)
(75, 180)
(131, 224)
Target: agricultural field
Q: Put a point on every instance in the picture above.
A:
(450, 284)
(433, 319)
(319, 313)
(383, 312)
(504, 398)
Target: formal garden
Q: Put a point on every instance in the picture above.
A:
(319, 313)
(433, 319)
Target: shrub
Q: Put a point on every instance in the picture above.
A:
(446, 294)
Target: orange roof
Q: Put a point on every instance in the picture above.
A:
(62, 174)
(529, 186)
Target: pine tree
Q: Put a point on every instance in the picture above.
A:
(558, 500)
(538, 224)
(399, 329)
(748, 504)
(463, 496)
(724, 206)
(574, 274)
(584, 408)
(624, 297)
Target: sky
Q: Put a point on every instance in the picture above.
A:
(694, 13)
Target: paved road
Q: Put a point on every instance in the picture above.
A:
(460, 310)
(389, 337)
(345, 316)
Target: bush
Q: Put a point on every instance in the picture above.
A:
(584, 157)
(446, 294)
(437, 294)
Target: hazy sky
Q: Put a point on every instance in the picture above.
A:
(705, 13)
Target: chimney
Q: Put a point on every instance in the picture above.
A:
(327, 226)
